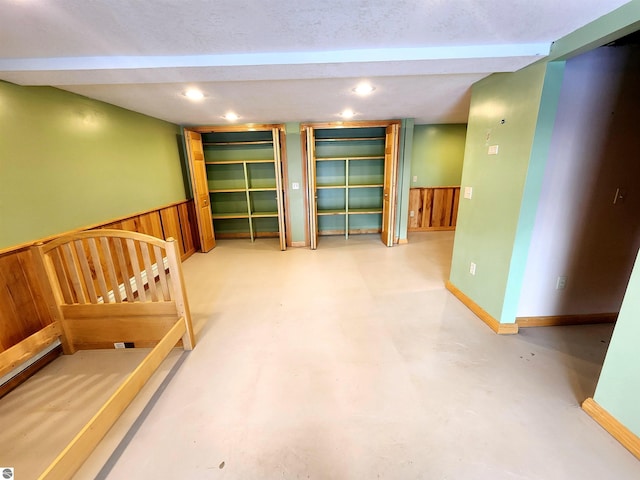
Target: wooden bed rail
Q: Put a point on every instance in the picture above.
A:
(76, 452)
(23, 351)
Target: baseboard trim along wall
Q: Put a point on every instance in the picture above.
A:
(617, 430)
(561, 320)
(495, 325)
(299, 244)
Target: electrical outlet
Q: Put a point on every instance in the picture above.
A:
(119, 345)
(295, 186)
(415, 178)
(561, 283)
(412, 214)
(493, 150)
(472, 268)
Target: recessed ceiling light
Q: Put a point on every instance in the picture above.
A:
(347, 113)
(230, 116)
(193, 94)
(364, 89)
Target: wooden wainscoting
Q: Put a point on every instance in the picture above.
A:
(23, 310)
(434, 208)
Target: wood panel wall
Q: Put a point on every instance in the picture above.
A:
(433, 208)
(23, 310)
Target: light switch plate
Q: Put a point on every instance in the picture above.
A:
(493, 150)
(561, 283)
(468, 192)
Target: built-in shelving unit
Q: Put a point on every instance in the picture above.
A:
(348, 167)
(244, 184)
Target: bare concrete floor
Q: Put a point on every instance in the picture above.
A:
(353, 362)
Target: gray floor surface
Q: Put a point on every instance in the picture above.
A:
(354, 362)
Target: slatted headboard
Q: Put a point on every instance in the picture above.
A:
(112, 286)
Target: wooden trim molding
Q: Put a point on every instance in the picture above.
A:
(353, 124)
(299, 244)
(563, 320)
(403, 241)
(235, 128)
(617, 430)
(495, 325)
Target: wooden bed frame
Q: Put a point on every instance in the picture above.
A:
(107, 287)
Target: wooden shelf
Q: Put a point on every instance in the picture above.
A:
(332, 212)
(334, 159)
(367, 185)
(238, 162)
(238, 144)
(226, 190)
(319, 187)
(364, 211)
(349, 139)
(264, 214)
(224, 216)
(262, 189)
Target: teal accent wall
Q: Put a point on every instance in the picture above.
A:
(504, 112)
(404, 177)
(438, 154)
(295, 170)
(67, 161)
(532, 189)
(618, 389)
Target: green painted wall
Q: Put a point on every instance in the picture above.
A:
(494, 227)
(504, 111)
(295, 164)
(67, 162)
(622, 21)
(438, 154)
(618, 389)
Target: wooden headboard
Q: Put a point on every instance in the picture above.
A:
(110, 286)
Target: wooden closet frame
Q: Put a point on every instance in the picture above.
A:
(285, 222)
(351, 124)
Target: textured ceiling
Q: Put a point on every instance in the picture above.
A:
(281, 60)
